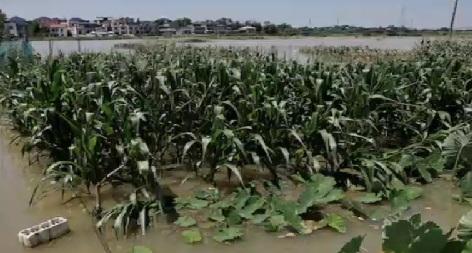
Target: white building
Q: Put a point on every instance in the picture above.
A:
(247, 29)
(16, 27)
(58, 30)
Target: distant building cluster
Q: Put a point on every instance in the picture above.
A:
(109, 27)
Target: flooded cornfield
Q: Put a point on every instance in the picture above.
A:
(208, 148)
(18, 177)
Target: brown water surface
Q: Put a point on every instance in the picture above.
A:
(17, 180)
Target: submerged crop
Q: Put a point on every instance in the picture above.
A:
(110, 119)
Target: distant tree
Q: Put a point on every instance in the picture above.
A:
(284, 26)
(287, 29)
(162, 21)
(3, 18)
(182, 22)
(35, 29)
(258, 26)
(271, 29)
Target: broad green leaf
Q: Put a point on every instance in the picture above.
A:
(254, 204)
(336, 222)
(369, 198)
(397, 237)
(141, 249)
(464, 230)
(234, 218)
(413, 192)
(456, 247)
(192, 236)
(217, 215)
(432, 241)
(466, 185)
(434, 162)
(275, 223)
(353, 246)
(259, 218)
(228, 234)
(185, 221)
(192, 203)
(320, 191)
(467, 248)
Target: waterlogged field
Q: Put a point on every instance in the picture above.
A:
(222, 143)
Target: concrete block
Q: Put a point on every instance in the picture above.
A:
(44, 232)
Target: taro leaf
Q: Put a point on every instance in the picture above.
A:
(234, 218)
(192, 236)
(432, 241)
(275, 223)
(400, 199)
(289, 210)
(357, 208)
(225, 203)
(353, 246)
(397, 237)
(435, 162)
(192, 203)
(320, 191)
(185, 221)
(241, 199)
(466, 185)
(413, 192)
(259, 218)
(217, 215)
(467, 248)
(197, 204)
(464, 229)
(212, 194)
(456, 247)
(228, 234)
(253, 204)
(336, 222)
(141, 249)
(369, 198)
(311, 225)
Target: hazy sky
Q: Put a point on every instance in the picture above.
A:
(419, 13)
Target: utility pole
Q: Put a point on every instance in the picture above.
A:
(454, 11)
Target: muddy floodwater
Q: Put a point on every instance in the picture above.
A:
(288, 47)
(17, 179)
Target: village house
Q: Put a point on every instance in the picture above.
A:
(186, 30)
(59, 30)
(16, 27)
(247, 29)
(149, 28)
(167, 30)
(199, 28)
(125, 26)
(79, 27)
(45, 22)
